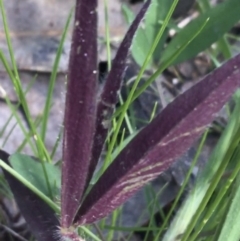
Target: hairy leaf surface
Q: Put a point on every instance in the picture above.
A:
(80, 111)
(158, 145)
(109, 96)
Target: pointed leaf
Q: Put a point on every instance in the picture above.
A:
(221, 19)
(109, 96)
(158, 145)
(41, 219)
(80, 108)
(183, 218)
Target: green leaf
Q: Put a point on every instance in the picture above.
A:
(148, 31)
(32, 170)
(138, 48)
(154, 19)
(221, 19)
(141, 46)
(128, 14)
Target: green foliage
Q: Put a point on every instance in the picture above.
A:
(219, 23)
(32, 170)
(195, 206)
(148, 31)
(230, 229)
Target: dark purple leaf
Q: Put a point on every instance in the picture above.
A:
(80, 111)
(109, 95)
(157, 146)
(41, 219)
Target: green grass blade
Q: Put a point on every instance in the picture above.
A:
(218, 198)
(10, 48)
(224, 47)
(127, 120)
(188, 209)
(57, 142)
(13, 109)
(166, 220)
(230, 230)
(53, 79)
(8, 135)
(29, 136)
(15, 114)
(42, 152)
(163, 66)
(131, 94)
